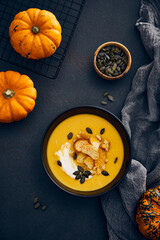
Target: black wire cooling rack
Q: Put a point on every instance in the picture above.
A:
(67, 13)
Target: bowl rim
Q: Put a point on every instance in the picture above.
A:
(126, 162)
(120, 45)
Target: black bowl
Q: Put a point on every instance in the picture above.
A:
(110, 118)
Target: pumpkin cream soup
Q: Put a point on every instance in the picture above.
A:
(85, 152)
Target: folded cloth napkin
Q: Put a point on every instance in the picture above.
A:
(141, 117)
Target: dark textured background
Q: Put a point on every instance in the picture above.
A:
(22, 176)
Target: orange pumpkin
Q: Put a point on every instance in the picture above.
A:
(148, 214)
(35, 33)
(17, 96)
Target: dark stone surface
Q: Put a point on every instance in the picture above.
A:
(22, 176)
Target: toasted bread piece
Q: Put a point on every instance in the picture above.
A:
(105, 145)
(83, 135)
(98, 171)
(99, 163)
(90, 150)
(98, 137)
(79, 144)
(89, 162)
(81, 157)
(94, 141)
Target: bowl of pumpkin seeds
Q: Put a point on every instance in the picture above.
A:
(112, 60)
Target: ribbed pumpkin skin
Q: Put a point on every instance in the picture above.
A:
(148, 214)
(35, 45)
(16, 107)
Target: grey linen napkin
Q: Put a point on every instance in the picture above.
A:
(141, 117)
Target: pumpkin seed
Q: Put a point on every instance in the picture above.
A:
(76, 173)
(102, 131)
(70, 135)
(102, 69)
(108, 57)
(89, 130)
(103, 102)
(80, 169)
(82, 180)
(101, 54)
(110, 98)
(85, 174)
(35, 200)
(105, 94)
(88, 173)
(78, 177)
(75, 156)
(105, 173)
(114, 66)
(118, 68)
(115, 159)
(59, 163)
(44, 207)
(37, 205)
(119, 61)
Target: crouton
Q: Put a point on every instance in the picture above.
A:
(81, 157)
(79, 144)
(90, 150)
(94, 141)
(89, 162)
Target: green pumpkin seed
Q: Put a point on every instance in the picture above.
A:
(89, 130)
(114, 66)
(82, 180)
(102, 131)
(103, 102)
(78, 176)
(119, 61)
(44, 207)
(105, 173)
(105, 94)
(75, 156)
(37, 205)
(101, 54)
(88, 173)
(110, 98)
(76, 173)
(80, 169)
(70, 135)
(35, 200)
(115, 159)
(118, 69)
(102, 69)
(59, 163)
(85, 175)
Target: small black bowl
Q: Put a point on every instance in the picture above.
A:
(110, 118)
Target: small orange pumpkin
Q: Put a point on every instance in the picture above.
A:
(17, 96)
(35, 33)
(148, 214)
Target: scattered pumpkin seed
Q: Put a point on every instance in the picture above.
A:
(44, 207)
(35, 200)
(37, 205)
(82, 180)
(102, 131)
(70, 135)
(103, 102)
(105, 94)
(75, 156)
(110, 98)
(59, 163)
(80, 169)
(105, 173)
(115, 159)
(89, 130)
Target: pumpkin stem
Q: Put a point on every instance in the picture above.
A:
(35, 29)
(8, 93)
